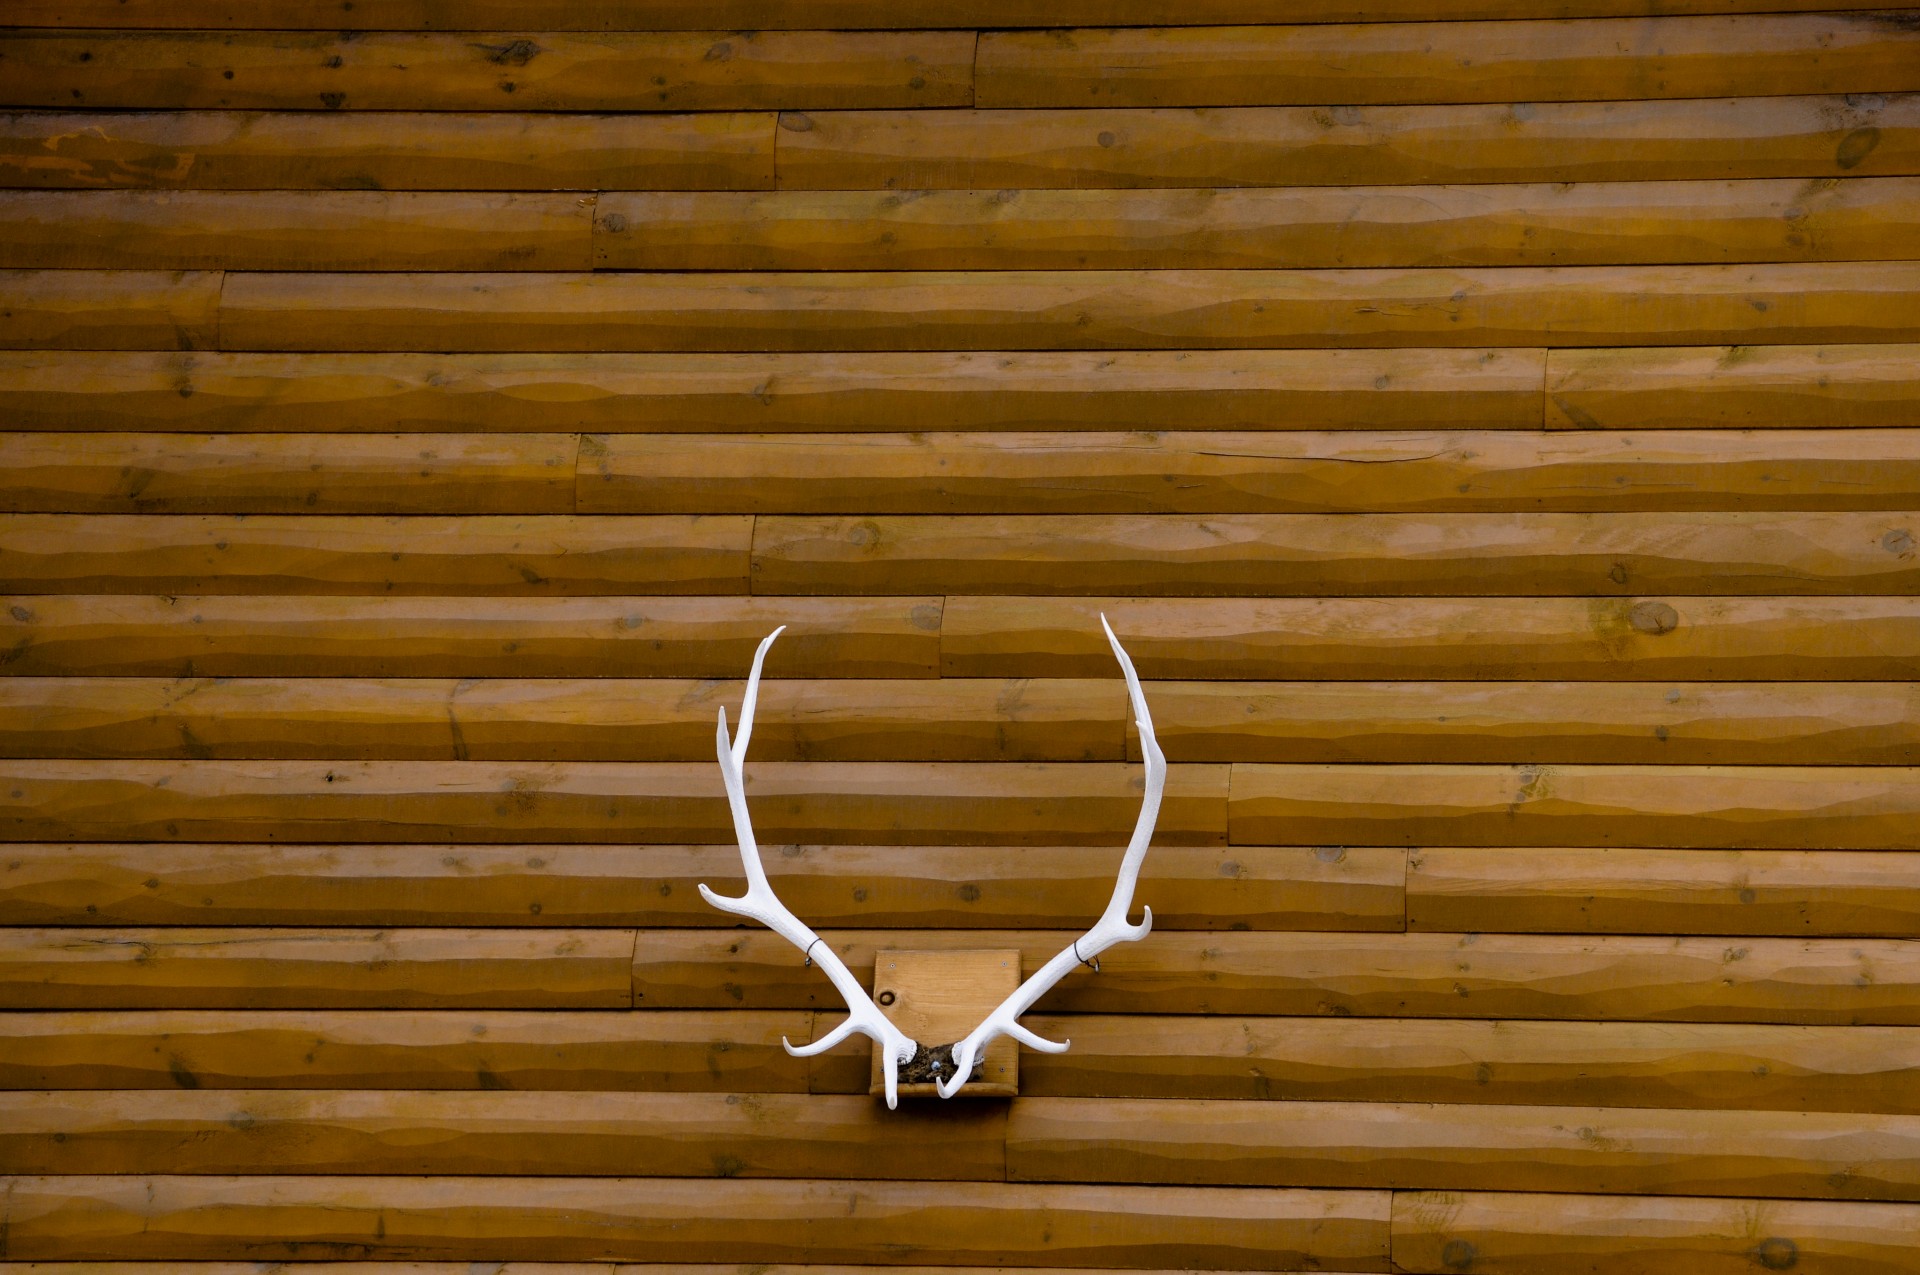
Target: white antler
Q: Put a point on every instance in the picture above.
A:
(761, 904)
(1111, 928)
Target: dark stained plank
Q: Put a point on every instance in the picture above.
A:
(319, 636)
(109, 310)
(1663, 57)
(1468, 639)
(473, 70)
(759, 393)
(1732, 137)
(357, 150)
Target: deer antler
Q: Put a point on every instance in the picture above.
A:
(760, 903)
(1112, 927)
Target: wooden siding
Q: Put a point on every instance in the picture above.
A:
(1492, 425)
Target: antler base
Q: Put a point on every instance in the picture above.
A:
(932, 995)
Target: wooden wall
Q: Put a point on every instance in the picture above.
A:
(1493, 425)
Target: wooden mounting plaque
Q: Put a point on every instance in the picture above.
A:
(938, 997)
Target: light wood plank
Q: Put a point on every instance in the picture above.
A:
(1663, 57)
(674, 1135)
(729, 1051)
(354, 150)
(1687, 723)
(1572, 224)
(534, 555)
(294, 230)
(1796, 303)
(1603, 639)
(470, 70)
(1221, 472)
(1820, 1155)
(1620, 891)
(761, 393)
(878, 803)
(703, 637)
(1733, 137)
(1835, 982)
(1710, 807)
(288, 473)
(1307, 555)
(912, 888)
(109, 310)
(675, 1220)
(1743, 386)
(178, 968)
(1444, 1231)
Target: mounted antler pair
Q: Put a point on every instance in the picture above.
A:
(895, 1046)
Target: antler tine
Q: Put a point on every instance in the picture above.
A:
(760, 903)
(1112, 927)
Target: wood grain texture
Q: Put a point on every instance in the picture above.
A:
(288, 473)
(1281, 555)
(1744, 386)
(1859, 219)
(551, 556)
(1698, 1066)
(1219, 472)
(489, 1050)
(762, 393)
(909, 887)
(1709, 807)
(673, 1220)
(294, 230)
(1799, 303)
(181, 968)
(1621, 978)
(354, 150)
(478, 71)
(701, 637)
(1668, 57)
(1817, 1155)
(1435, 1232)
(674, 1135)
(1617, 891)
(880, 803)
(1334, 639)
(109, 310)
(1731, 137)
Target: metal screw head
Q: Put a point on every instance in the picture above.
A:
(886, 998)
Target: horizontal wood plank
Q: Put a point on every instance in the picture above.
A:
(176, 968)
(552, 556)
(1434, 1232)
(1819, 1155)
(1614, 639)
(288, 473)
(698, 637)
(1589, 977)
(729, 1051)
(109, 310)
(478, 71)
(1738, 386)
(1799, 303)
(1732, 137)
(669, 1135)
(1575, 224)
(880, 803)
(1280, 555)
(1220, 472)
(762, 393)
(1624, 891)
(677, 1220)
(356, 150)
(916, 888)
(295, 230)
(1664, 57)
(1710, 807)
